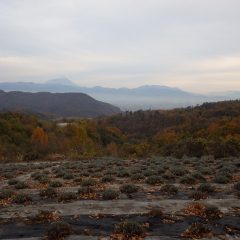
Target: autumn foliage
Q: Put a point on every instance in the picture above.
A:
(39, 137)
(209, 129)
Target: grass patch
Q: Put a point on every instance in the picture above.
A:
(59, 230)
(67, 197)
(12, 181)
(48, 193)
(130, 229)
(222, 179)
(154, 180)
(6, 194)
(21, 185)
(110, 194)
(169, 189)
(87, 182)
(206, 187)
(22, 198)
(55, 184)
(129, 188)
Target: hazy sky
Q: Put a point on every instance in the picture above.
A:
(191, 44)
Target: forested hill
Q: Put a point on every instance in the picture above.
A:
(209, 129)
(55, 104)
(145, 124)
(212, 128)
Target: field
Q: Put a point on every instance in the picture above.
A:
(110, 198)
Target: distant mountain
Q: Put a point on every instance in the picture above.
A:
(55, 104)
(53, 86)
(144, 97)
(62, 81)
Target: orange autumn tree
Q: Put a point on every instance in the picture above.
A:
(166, 137)
(39, 137)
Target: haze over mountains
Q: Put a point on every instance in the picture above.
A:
(144, 97)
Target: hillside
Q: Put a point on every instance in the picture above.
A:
(145, 124)
(55, 104)
(209, 129)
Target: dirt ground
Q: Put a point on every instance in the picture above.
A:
(109, 198)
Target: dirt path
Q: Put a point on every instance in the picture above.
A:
(116, 207)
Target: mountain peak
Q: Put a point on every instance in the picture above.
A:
(61, 81)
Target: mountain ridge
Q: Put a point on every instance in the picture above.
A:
(142, 97)
(55, 105)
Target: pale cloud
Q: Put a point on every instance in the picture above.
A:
(189, 44)
(85, 64)
(218, 64)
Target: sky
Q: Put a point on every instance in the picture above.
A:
(190, 44)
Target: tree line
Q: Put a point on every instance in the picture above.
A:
(209, 129)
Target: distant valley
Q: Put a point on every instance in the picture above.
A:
(144, 97)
